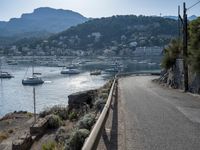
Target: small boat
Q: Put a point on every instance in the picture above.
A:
(34, 80)
(5, 75)
(112, 70)
(96, 72)
(70, 71)
(151, 63)
(72, 66)
(10, 62)
(142, 62)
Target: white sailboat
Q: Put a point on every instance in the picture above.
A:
(33, 80)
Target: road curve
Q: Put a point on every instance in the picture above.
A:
(158, 118)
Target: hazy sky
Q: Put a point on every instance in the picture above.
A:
(97, 8)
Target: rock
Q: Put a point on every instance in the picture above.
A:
(79, 99)
(39, 127)
(22, 143)
(194, 83)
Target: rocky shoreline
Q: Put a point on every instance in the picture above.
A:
(60, 127)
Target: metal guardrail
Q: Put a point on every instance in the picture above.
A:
(93, 140)
(155, 73)
(95, 135)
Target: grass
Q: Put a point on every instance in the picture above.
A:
(52, 145)
(61, 111)
(3, 136)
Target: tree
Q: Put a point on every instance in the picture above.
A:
(194, 45)
(171, 53)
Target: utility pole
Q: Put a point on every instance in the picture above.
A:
(185, 47)
(179, 25)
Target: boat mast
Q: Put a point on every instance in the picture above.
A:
(0, 65)
(34, 102)
(33, 65)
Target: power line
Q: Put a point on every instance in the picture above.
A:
(193, 5)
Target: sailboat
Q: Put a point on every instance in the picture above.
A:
(33, 80)
(4, 74)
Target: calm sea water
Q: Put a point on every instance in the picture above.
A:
(15, 97)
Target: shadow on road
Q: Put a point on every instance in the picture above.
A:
(110, 132)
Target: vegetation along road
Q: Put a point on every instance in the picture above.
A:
(158, 118)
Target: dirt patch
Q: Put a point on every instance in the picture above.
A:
(12, 126)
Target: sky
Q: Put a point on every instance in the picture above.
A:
(98, 8)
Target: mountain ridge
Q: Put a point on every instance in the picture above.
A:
(44, 19)
(116, 35)
(190, 18)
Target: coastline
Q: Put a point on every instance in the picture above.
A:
(68, 122)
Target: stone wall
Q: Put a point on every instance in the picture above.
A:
(174, 77)
(179, 74)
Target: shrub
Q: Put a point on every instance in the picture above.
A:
(73, 115)
(52, 145)
(105, 90)
(171, 53)
(10, 131)
(99, 104)
(62, 135)
(104, 96)
(62, 112)
(194, 45)
(87, 122)
(77, 139)
(54, 121)
(30, 114)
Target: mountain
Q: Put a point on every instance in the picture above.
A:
(111, 34)
(42, 21)
(190, 18)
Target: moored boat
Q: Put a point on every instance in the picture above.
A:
(5, 75)
(96, 72)
(70, 71)
(34, 80)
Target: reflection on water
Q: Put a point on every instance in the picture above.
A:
(56, 88)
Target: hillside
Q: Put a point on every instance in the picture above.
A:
(190, 18)
(42, 21)
(117, 35)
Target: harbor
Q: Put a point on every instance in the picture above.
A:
(56, 87)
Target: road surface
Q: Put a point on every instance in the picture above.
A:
(158, 118)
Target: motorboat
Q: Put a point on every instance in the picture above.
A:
(112, 70)
(5, 75)
(96, 72)
(70, 71)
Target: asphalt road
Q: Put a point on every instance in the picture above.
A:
(158, 118)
